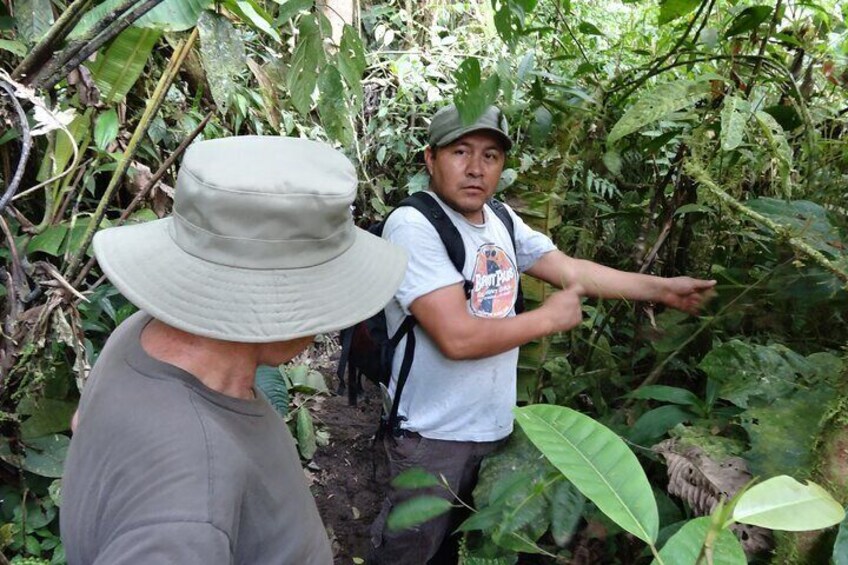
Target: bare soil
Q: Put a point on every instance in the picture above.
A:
(350, 473)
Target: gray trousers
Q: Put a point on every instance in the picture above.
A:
(458, 462)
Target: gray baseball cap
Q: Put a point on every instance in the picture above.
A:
(446, 126)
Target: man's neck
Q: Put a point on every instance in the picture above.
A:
(224, 366)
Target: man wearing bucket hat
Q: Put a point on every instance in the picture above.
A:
(176, 457)
(456, 405)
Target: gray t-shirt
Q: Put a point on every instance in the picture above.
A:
(164, 470)
(460, 400)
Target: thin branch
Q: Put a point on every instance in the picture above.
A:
(26, 145)
(79, 43)
(101, 39)
(774, 20)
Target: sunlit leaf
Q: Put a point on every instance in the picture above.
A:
(222, 55)
(414, 511)
(117, 69)
(415, 478)
(473, 94)
(254, 15)
(306, 444)
(734, 116)
(657, 104)
(174, 15)
(598, 462)
(589, 28)
(684, 547)
(673, 9)
(305, 380)
(106, 129)
(782, 503)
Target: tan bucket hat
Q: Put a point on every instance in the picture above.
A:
(261, 246)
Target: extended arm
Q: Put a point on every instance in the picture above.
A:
(587, 278)
(459, 335)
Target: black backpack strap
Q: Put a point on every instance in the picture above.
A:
(450, 236)
(405, 329)
(503, 214)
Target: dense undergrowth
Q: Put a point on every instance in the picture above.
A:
(671, 137)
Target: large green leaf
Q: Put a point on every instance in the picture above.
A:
(778, 145)
(290, 8)
(783, 433)
(734, 116)
(222, 55)
(308, 58)
(45, 456)
(174, 15)
(748, 371)
(305, 434)
(170, 15)
(664, 393)
(657, 104)
(332, 106)
(782, 503)
(49, 416)
(34, 18)
(684, 547)
(473, 95)
(416, 511)
(303, 379)
(106, 129)
(270, 381)
(673, 9)
(351, 63)
(655, 423)
(806, 220)
(49, 241)
(598, 462)
(117, 69)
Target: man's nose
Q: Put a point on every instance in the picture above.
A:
(475, 167)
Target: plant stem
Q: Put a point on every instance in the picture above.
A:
(150, 111)
(774, 20)
(157, 176)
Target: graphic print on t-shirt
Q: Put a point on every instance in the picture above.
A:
(495, 282)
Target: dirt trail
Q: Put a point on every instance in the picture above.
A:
(349, 473)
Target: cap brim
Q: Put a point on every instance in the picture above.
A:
(248, 305)
(453, 136)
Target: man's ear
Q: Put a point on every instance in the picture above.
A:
(429, 157)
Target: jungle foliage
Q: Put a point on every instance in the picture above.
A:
(662, 136)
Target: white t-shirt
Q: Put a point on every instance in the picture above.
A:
(460, 400)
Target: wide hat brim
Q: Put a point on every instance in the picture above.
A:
(248, 305)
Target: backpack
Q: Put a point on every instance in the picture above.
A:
(367, 348)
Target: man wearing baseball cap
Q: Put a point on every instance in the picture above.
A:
(177, 458)
(456, 406)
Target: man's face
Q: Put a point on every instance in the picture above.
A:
(465, 173)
